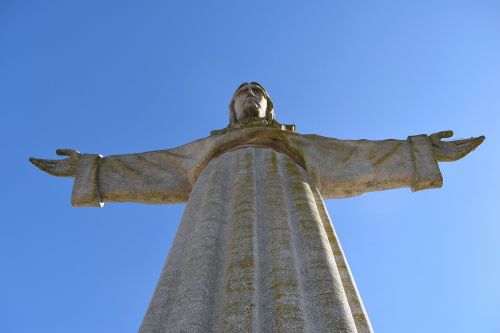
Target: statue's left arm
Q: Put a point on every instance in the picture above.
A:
(164, 176)
(344, 168)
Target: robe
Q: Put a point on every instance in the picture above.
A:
(256, 250)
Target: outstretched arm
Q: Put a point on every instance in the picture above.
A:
(344, 168)
(164, 176)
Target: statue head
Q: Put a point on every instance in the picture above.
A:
(251, 101)
(251, 106)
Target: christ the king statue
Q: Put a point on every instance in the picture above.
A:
(256, 250)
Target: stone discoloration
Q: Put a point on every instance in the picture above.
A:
(325, 300)
(358, 312)
(184, 299)
(280, 287)
(239, 308)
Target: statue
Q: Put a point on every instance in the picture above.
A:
(256, 250)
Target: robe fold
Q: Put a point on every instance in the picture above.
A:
(256, 250)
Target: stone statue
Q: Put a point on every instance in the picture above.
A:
(256, 250)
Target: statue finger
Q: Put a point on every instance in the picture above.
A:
(472, 141)
(67, 152)
(436, 137)
(38, 161)
(44, 165)
(445, 134)
(469, 146)
(461, 141)
(475, 142)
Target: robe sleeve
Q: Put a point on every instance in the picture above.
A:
(157, 177)
(344, 168)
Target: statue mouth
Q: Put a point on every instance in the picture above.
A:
(252, 101)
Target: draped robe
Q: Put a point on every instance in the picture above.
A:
(255, 250)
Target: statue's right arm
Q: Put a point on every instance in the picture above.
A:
(344, 168)
(164, 176)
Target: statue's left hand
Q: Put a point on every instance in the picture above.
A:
(448, 151)
(61, 168)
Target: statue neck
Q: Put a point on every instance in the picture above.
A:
(251, 122)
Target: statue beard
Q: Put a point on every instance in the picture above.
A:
(252, 111)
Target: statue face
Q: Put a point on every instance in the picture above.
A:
(250, 101)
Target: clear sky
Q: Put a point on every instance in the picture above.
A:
(114, 77)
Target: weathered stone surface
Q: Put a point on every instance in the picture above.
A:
(256, 250)
(253, 254)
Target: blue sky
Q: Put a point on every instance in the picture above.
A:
(115, 77)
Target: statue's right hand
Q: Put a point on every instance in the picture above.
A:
(61, 168)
